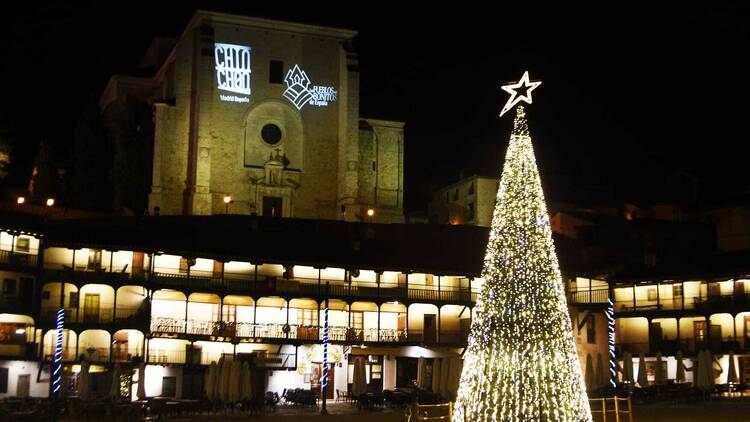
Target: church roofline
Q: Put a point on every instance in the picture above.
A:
(383, 123)
(271, 24)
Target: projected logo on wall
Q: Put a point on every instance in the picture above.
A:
(300, 91)
(233, 71)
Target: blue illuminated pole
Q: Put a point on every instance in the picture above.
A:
(611, 332)
(56, 378)
(324, 382)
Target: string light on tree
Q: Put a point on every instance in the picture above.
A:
(521, 362)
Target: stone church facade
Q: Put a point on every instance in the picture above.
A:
(267, 113)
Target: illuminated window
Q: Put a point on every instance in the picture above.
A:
(358, 320)
(307, 317)
(651, 294)
(95, 259)
(73, 300)
(22, 244)
(276, 72)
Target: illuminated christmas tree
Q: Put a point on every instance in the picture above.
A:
(521, 362)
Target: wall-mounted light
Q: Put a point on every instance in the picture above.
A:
(50, 202)
(20, 200)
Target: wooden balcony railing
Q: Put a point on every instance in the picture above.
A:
(203, 280)
(19, 259)
(598, 295)
(313, 333)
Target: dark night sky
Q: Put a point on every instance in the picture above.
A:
(629, 97)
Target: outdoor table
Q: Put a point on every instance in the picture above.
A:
(24, 415)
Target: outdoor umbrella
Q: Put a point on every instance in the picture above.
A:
(642, 379)
(660, 377)
(359, 381)
(702, 374)
(456, 365)
(235, 370)
(589, 373)
(211, 380)
(731, 371)
(246, 389)
(599, 373)
(436, 376)
(680, 374)
(421, 367)
(226, 369)
(698, 370)
(710, 372)
(444, 378)
(627, 367)
(217, 380)
(114, 388)
(141, 393)
(83, 381)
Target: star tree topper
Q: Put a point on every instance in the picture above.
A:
(519, 91)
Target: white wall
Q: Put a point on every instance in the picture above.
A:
(168, 309)
(154, 375)
(279, 380)
(18, 367)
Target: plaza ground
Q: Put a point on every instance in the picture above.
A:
(725, 410)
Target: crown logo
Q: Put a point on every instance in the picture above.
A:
(297, 87)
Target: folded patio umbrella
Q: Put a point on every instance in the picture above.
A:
(421, 368)
(710, 372)
(141, 392)
(627, 367)
(599, 373)
(589, 378)
(246, 389)
(83, 381)
(444, 378)
(698, 377)
(210, 382)
(359, 378)
(217, 380)
(226, 369)
(436, 376)
(642, 378)
(235, 370)
(457, 365)
(660, 377)
(680, 375)
(114, 388)
(731, 370)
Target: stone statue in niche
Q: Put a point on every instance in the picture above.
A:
(274, 167)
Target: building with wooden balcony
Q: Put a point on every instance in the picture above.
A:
(177, 293)
(684, 303)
